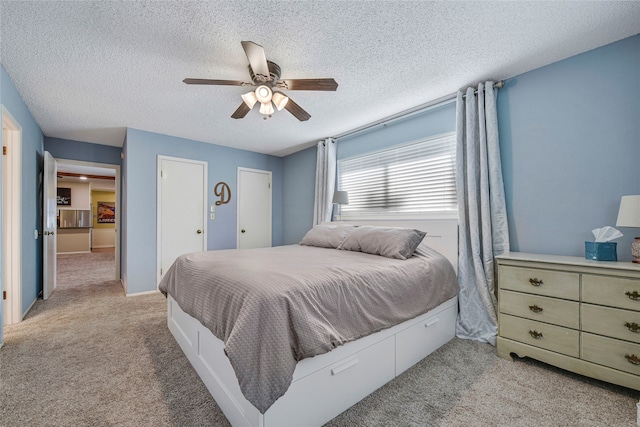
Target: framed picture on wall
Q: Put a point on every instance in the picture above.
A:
(106, 212)
(64, 196)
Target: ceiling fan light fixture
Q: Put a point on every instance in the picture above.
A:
(263, 94)
(280, 100)
(250, 99)
(266, 108)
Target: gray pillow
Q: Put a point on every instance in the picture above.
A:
(390, 242)
(326, 235)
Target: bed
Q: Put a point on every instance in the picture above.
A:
(288, 356)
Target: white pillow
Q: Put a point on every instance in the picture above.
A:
(327, 236)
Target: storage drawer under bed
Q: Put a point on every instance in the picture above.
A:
(424, 337)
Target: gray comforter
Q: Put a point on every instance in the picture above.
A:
(275, 306)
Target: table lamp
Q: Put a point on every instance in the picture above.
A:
(340, 198)
(629, 216)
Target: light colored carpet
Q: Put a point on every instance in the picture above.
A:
(89, 356)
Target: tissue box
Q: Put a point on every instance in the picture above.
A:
(600, 251)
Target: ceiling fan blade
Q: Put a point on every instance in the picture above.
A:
(257, 60)
(308, 84)
(297, 111)
(216, 82)
(242, 111)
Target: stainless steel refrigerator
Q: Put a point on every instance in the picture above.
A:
(72, 218)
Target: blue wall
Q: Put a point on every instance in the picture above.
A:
(434, 121)
(32, 161)
(82, 151)
(299, 171)
(141, 151)
(570, 146)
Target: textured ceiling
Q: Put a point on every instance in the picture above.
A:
(88, 70)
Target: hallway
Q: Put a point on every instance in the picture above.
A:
(95, 268)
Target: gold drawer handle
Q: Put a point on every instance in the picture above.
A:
(633, 327)
(633, 295)
(633, 359)
(535, 308)
(536, 335)
(537, 282)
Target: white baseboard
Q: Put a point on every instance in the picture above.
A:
(70, 253)
(136, 294)
(102, 246)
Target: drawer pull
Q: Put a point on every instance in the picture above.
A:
(536, 335)
(633, 359)
(536, 282)
(633, 327)
(432, 322)
(535, 308)
(633, 295)
(347, 365)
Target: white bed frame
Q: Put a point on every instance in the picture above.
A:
(324, 386)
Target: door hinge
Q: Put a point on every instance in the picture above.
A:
(4, 294)
(161, 272)
(161, 174)
(269, 185)
(4, 150)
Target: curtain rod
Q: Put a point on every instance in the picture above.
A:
(412, 111)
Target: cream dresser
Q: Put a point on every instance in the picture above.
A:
(576, 314)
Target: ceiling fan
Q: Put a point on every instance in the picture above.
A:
(266, 76)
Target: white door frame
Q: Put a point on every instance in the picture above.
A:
(270, 173)
(118, 204)
(205, 203)
(12, 207)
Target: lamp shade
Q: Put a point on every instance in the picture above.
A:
(341, 198)
(266, 108)
(249, 99)
(629, 213)
(280, 100)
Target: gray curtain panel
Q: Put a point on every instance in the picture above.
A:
(325, 181)
(482, 217)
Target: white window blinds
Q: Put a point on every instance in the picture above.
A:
(409, 180)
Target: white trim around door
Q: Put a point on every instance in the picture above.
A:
(12, 211)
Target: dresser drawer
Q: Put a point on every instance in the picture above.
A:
(550, 337)
(612, 291)
(610, 352)
(612, 322)
(544, 309)
(542, 282)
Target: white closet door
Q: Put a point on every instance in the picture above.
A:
(182, 201)
(254, 208)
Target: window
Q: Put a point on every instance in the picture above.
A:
(413, 180)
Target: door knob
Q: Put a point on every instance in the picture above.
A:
(199, 231)
(243, 231)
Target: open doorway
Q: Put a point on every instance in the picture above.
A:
(88, 219)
